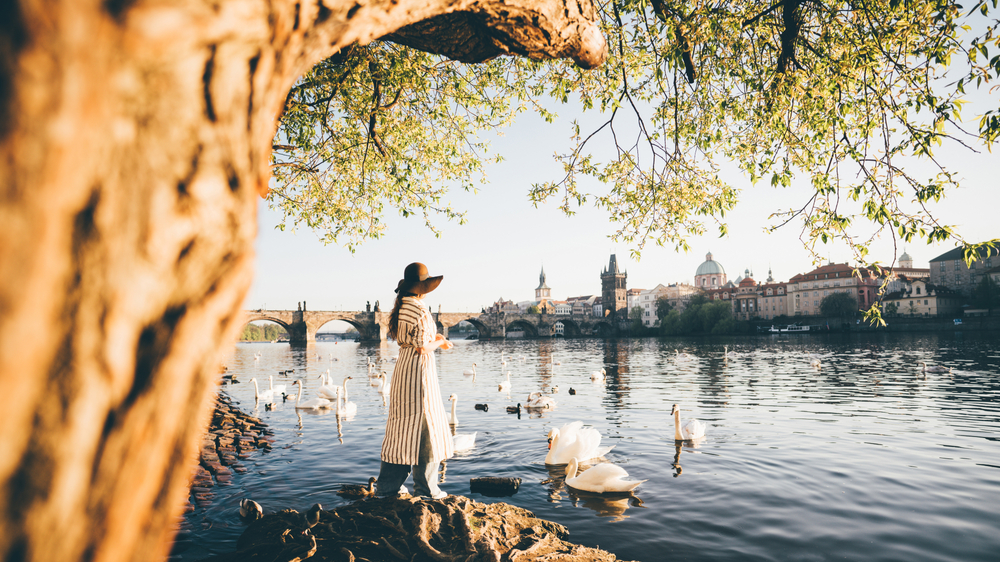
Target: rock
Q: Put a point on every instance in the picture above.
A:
(453, 529)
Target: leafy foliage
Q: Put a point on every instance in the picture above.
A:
(387, 127)
(838, 305)
(845, 95)
(663, 307)
(701, 316)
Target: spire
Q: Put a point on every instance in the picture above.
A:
(613, 265)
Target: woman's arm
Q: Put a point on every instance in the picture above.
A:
(439, 341)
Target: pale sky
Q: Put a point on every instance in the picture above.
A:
(506, 241)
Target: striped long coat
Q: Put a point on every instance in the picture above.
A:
(415, 395)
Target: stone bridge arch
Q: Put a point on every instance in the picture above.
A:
(446, 320)
(571, 328)
(258, 316)
(362, 329)
(602, 329)
(530, 330)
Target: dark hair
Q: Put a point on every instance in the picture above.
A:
(394, 316)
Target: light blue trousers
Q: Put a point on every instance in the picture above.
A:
(425, 473)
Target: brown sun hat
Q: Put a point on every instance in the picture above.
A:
(416, 280)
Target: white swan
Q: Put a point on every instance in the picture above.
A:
(383, 387)
(454, 404)
(371, 371)
(598, 375)
(573, 440)
(327, 389)
(505, 385)
(275, 390)
(258, 395)
(312, 403)
(538, 401)
(601, 478)
(816, 363)
(470, 372)
(464, 441)
(348, 410)
(680, 355)
(689, 430)
(934, 368)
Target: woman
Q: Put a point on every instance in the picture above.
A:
(416, 434)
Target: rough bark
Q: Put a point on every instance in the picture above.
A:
(134, 137)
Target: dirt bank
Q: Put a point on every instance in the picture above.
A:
(455, 529)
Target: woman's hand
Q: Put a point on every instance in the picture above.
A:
(445, 344)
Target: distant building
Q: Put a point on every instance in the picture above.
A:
(710, 274)
(994, 274)
(542, 292)
(502, 305)
(677, 293)
(632, 298)
(563, 308)
(949, 270)
(597, 308)
(614, 301)
(746, 301)
(806, 290)
(773, 299)
(922, 298)
(582, 306)
(902, 275)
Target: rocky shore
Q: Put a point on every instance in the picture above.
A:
(455, 529)
(232, 436)
(373, 529)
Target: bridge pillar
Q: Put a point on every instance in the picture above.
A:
(298, 330)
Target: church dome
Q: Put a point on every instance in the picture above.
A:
(710, 266)
(905, 257)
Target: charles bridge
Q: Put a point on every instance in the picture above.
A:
(302, 325)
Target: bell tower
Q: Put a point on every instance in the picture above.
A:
(614, 293)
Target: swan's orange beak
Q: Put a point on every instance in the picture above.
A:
(550, 443)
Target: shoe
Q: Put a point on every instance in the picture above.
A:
(440, 495)
(403, 490)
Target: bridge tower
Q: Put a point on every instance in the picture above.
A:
(614, 294)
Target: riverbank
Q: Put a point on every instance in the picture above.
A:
(405, 528)
(232, 437)
(408, 528)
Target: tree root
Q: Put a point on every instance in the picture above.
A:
(455, 529)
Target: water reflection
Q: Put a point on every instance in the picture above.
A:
(611, 505)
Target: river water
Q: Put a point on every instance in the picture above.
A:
(861, 459)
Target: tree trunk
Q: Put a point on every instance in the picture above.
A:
(134, 137)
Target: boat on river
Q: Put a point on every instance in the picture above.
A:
(793, 329)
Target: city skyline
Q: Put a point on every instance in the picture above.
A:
(506, 241)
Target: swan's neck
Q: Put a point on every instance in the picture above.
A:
(298, 396)
(345, 390)
(677, 425)
(454, 418)
(571, 468)
(256, 392)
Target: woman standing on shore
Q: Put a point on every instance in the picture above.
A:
(416, 434)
